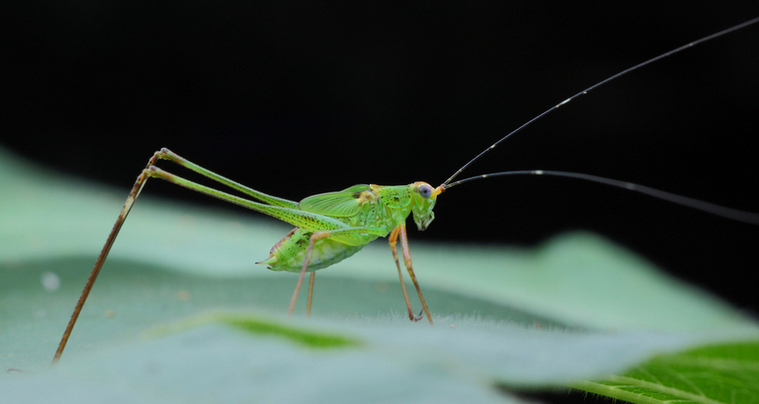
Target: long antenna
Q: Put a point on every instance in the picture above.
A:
(593, 87)
(729, 213)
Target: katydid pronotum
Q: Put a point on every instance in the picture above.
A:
(333, 226)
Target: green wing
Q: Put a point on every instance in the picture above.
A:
(335, 204)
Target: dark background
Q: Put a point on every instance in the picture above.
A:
(297, 98)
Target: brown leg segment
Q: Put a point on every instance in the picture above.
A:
(315, 236)
(133, 194)
(310, 293)
(409, 267)
(393, 239)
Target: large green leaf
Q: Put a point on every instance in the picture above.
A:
(723, 373)
(169, 319)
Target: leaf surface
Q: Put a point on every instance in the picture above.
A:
(180, 314)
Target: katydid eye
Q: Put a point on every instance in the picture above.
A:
(425, 191)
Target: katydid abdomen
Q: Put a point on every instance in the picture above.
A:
(290, 252)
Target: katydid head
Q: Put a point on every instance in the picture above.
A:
(423, 202)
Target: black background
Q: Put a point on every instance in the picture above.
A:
(297, 98)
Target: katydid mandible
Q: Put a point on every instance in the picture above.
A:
(331, 227)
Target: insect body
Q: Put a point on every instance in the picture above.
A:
(329, 227)
(333, 226)
(361, 206)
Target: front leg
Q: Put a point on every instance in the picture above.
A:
(393, 240)
(409, 267)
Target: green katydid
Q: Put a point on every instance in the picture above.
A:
(333, 226)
